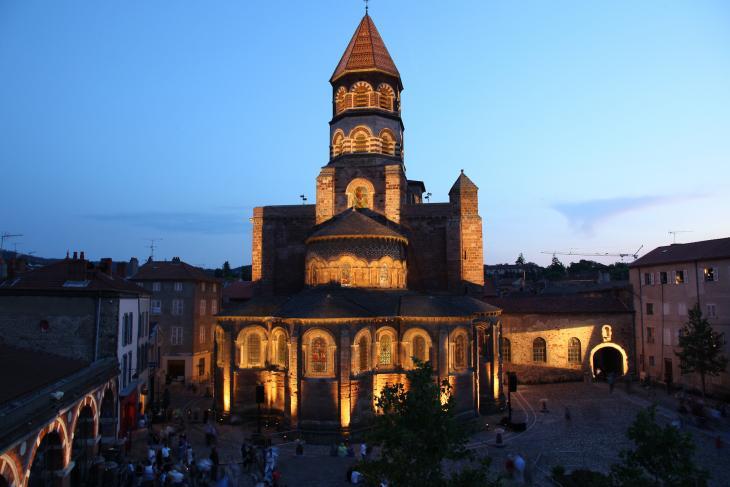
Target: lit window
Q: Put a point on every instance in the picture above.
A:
(345, 276)
(385, 353)
(384, 278)
(460, 351)
(678, 277)
(363, 353)
(539, 350)
(710, 274)
(176, 335)
(156, 286)
(178, 286)
(506, 350)
(574, 351)
(319, 355)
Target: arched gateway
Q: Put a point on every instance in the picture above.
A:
(608, 357)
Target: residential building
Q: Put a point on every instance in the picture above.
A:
(184, 302)
(84, 312)
(668, 282)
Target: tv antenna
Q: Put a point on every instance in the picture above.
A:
(622, 255)
(674, 233)
(152, 246)
(304, 198)
(6, 235)
(428, 197)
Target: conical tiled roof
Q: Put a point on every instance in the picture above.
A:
(463, 183)
(365, 52)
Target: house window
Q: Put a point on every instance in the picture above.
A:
(663, 277)
(574, 351)
(710, 274)
(666, 308)
(711, 311)
(419, 348)
(651, 360)
(253, 350)
(215, 287)
(201, 334)
(176, 335)
(539, 350)
(178, 286)
(363, 346)
(460, 351)
(213, 306)
(385, 354)
(202, 307)
(649, 278)
(650, 308)
(156, 286)
(155, 306)
(649, 334)
(506, 350)
(202, 286)
(682, 309)
(177, 307)
(319, 355)
(201, 367)
(667, 336)
(678, 277)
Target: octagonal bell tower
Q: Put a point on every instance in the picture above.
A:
(365, 168)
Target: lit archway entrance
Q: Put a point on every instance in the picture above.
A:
(609, 358)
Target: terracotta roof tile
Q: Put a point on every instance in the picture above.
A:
(354, 223)
(365, 52)
(718, 248)
(171, 270)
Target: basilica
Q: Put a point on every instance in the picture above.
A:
(351, 289)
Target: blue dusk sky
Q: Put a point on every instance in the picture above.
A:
(588, 126)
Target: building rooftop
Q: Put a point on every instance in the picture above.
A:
(171, 270)
(70, 275)
(336, 302)
(354, 223)
(571, 304)
(703, 250)
(365, 52)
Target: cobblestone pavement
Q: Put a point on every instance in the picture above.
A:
(592, 438)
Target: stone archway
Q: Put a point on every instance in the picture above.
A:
(83, 448)
(609, 357)
(10, 471)
(47, 459)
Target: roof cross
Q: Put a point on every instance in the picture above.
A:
(366, 7)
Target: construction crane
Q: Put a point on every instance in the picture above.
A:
(622, 255)
(5, 236)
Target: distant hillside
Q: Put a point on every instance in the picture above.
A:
(30, 259)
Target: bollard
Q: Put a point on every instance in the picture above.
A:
(499, 443)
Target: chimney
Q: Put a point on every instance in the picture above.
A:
(76, 269)
(133, 266)
(76, 255)
(82, 255)
(121, 270)
(105, 266)
(176, 260)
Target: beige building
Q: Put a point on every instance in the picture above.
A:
(667, 282)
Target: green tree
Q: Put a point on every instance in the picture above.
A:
(520, 260)
(662, 456)
(227, 270)
(700, 347)
(555, 271)
(416, 431)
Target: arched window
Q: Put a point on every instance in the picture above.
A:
(574, 351)
(362, 91)
(345, 275)
(319, 355)
(361, 197)
(363, 346)
(506, 350)
(384, 276)
(385, 353)
(253, 350)
(460, 351)
(386, 96)
(337, 144)
(539, 350)
(281, 349)
(360, 139)
(340, 97)
(419, 348)
(388, 142)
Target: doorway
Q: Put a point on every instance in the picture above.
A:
(607, 360)
(176, 369)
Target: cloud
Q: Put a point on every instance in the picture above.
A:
(212, 223)
(585, 215)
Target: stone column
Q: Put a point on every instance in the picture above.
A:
(344, 378)
(394, 191)
(325, 195)
(443, 352)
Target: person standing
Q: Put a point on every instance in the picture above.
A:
(214, 460)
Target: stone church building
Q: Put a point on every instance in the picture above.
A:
(349, 290)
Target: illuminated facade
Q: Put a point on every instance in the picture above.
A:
(352, 288)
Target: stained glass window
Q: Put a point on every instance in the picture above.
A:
(254, 349)
(319, 355)
(386, 350)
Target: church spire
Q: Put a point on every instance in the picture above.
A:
(365, 52)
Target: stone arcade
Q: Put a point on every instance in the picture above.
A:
(350, 289)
